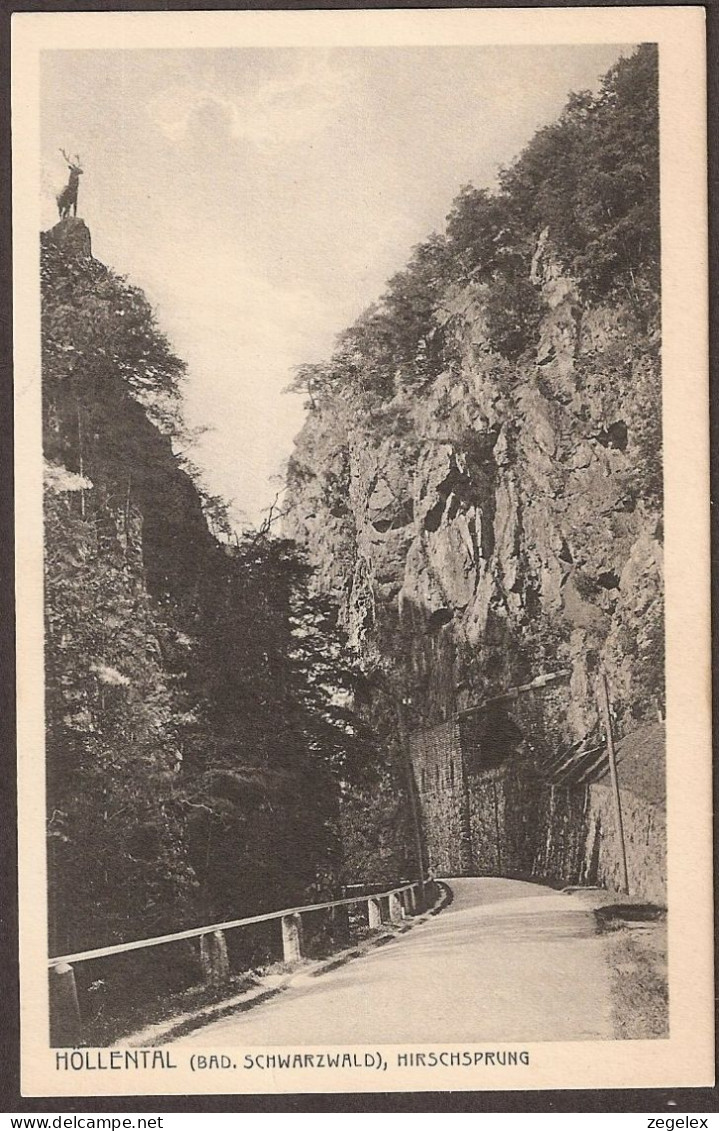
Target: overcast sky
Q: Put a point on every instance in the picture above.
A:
(261, 197)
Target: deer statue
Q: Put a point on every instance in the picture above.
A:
(67, 199)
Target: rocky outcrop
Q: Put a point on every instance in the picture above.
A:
(503, 519)
(72, 237)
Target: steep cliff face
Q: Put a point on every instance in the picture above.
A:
(506, 525)
(493, 513)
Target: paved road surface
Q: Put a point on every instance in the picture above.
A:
(506, 961)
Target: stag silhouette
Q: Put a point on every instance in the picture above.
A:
(67, 199)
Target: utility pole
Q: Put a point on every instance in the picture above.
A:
(604, 704)
(497, 831)
(411, 790)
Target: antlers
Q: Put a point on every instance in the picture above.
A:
(73, 164)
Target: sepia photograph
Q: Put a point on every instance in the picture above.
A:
(360, 470)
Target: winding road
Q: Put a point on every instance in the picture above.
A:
(505, 961)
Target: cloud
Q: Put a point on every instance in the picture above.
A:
(241, 333)
(212, 290)
(284, 109)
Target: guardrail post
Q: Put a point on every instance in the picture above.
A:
(341, 923)
(374, 913)
(292, 937)
(213, 958)
(422, 896)
(410, 901)
(395, 908)
(65, 1021)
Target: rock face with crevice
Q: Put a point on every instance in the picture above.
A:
(507, 522)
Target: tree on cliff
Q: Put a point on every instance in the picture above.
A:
(117, 861)
(591, 179)
(198, 728)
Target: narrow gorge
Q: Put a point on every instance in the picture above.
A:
(399, 674)
(478, 486)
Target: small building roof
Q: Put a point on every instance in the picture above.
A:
(641, 763)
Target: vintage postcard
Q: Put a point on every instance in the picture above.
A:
(362, 550)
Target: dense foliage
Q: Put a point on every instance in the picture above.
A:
(198, 696)
(591, 180)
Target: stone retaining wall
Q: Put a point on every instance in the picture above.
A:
(440, 778)
(520, 826)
